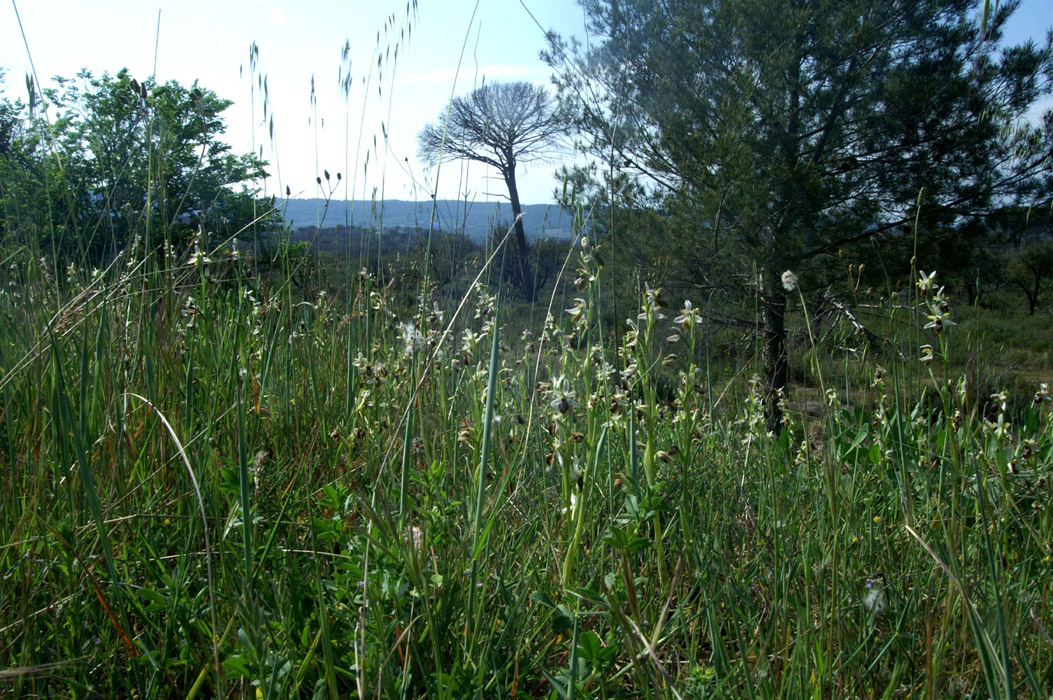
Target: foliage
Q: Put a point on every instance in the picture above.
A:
(1029, 268)
(100, 161)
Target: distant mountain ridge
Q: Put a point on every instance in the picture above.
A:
(474, 219)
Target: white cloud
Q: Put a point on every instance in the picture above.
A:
(276, 17)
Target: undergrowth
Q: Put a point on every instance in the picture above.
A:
(348, 499)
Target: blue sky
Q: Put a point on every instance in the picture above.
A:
(298, 41)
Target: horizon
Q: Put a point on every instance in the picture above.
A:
(474, 219)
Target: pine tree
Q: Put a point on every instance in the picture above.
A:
(501, 125)
(779, 131)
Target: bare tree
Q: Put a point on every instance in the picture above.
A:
(501, 125)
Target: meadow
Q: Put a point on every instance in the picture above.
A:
(215, 487)
(242, 466)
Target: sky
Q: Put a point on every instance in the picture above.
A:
(444, 48)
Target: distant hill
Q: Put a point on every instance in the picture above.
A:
(475, 220)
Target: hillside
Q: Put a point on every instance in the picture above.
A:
(475, 219)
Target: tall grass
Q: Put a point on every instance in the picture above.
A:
(462, 551)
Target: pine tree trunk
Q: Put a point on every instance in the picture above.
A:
(521, 274)
(1033, 296)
